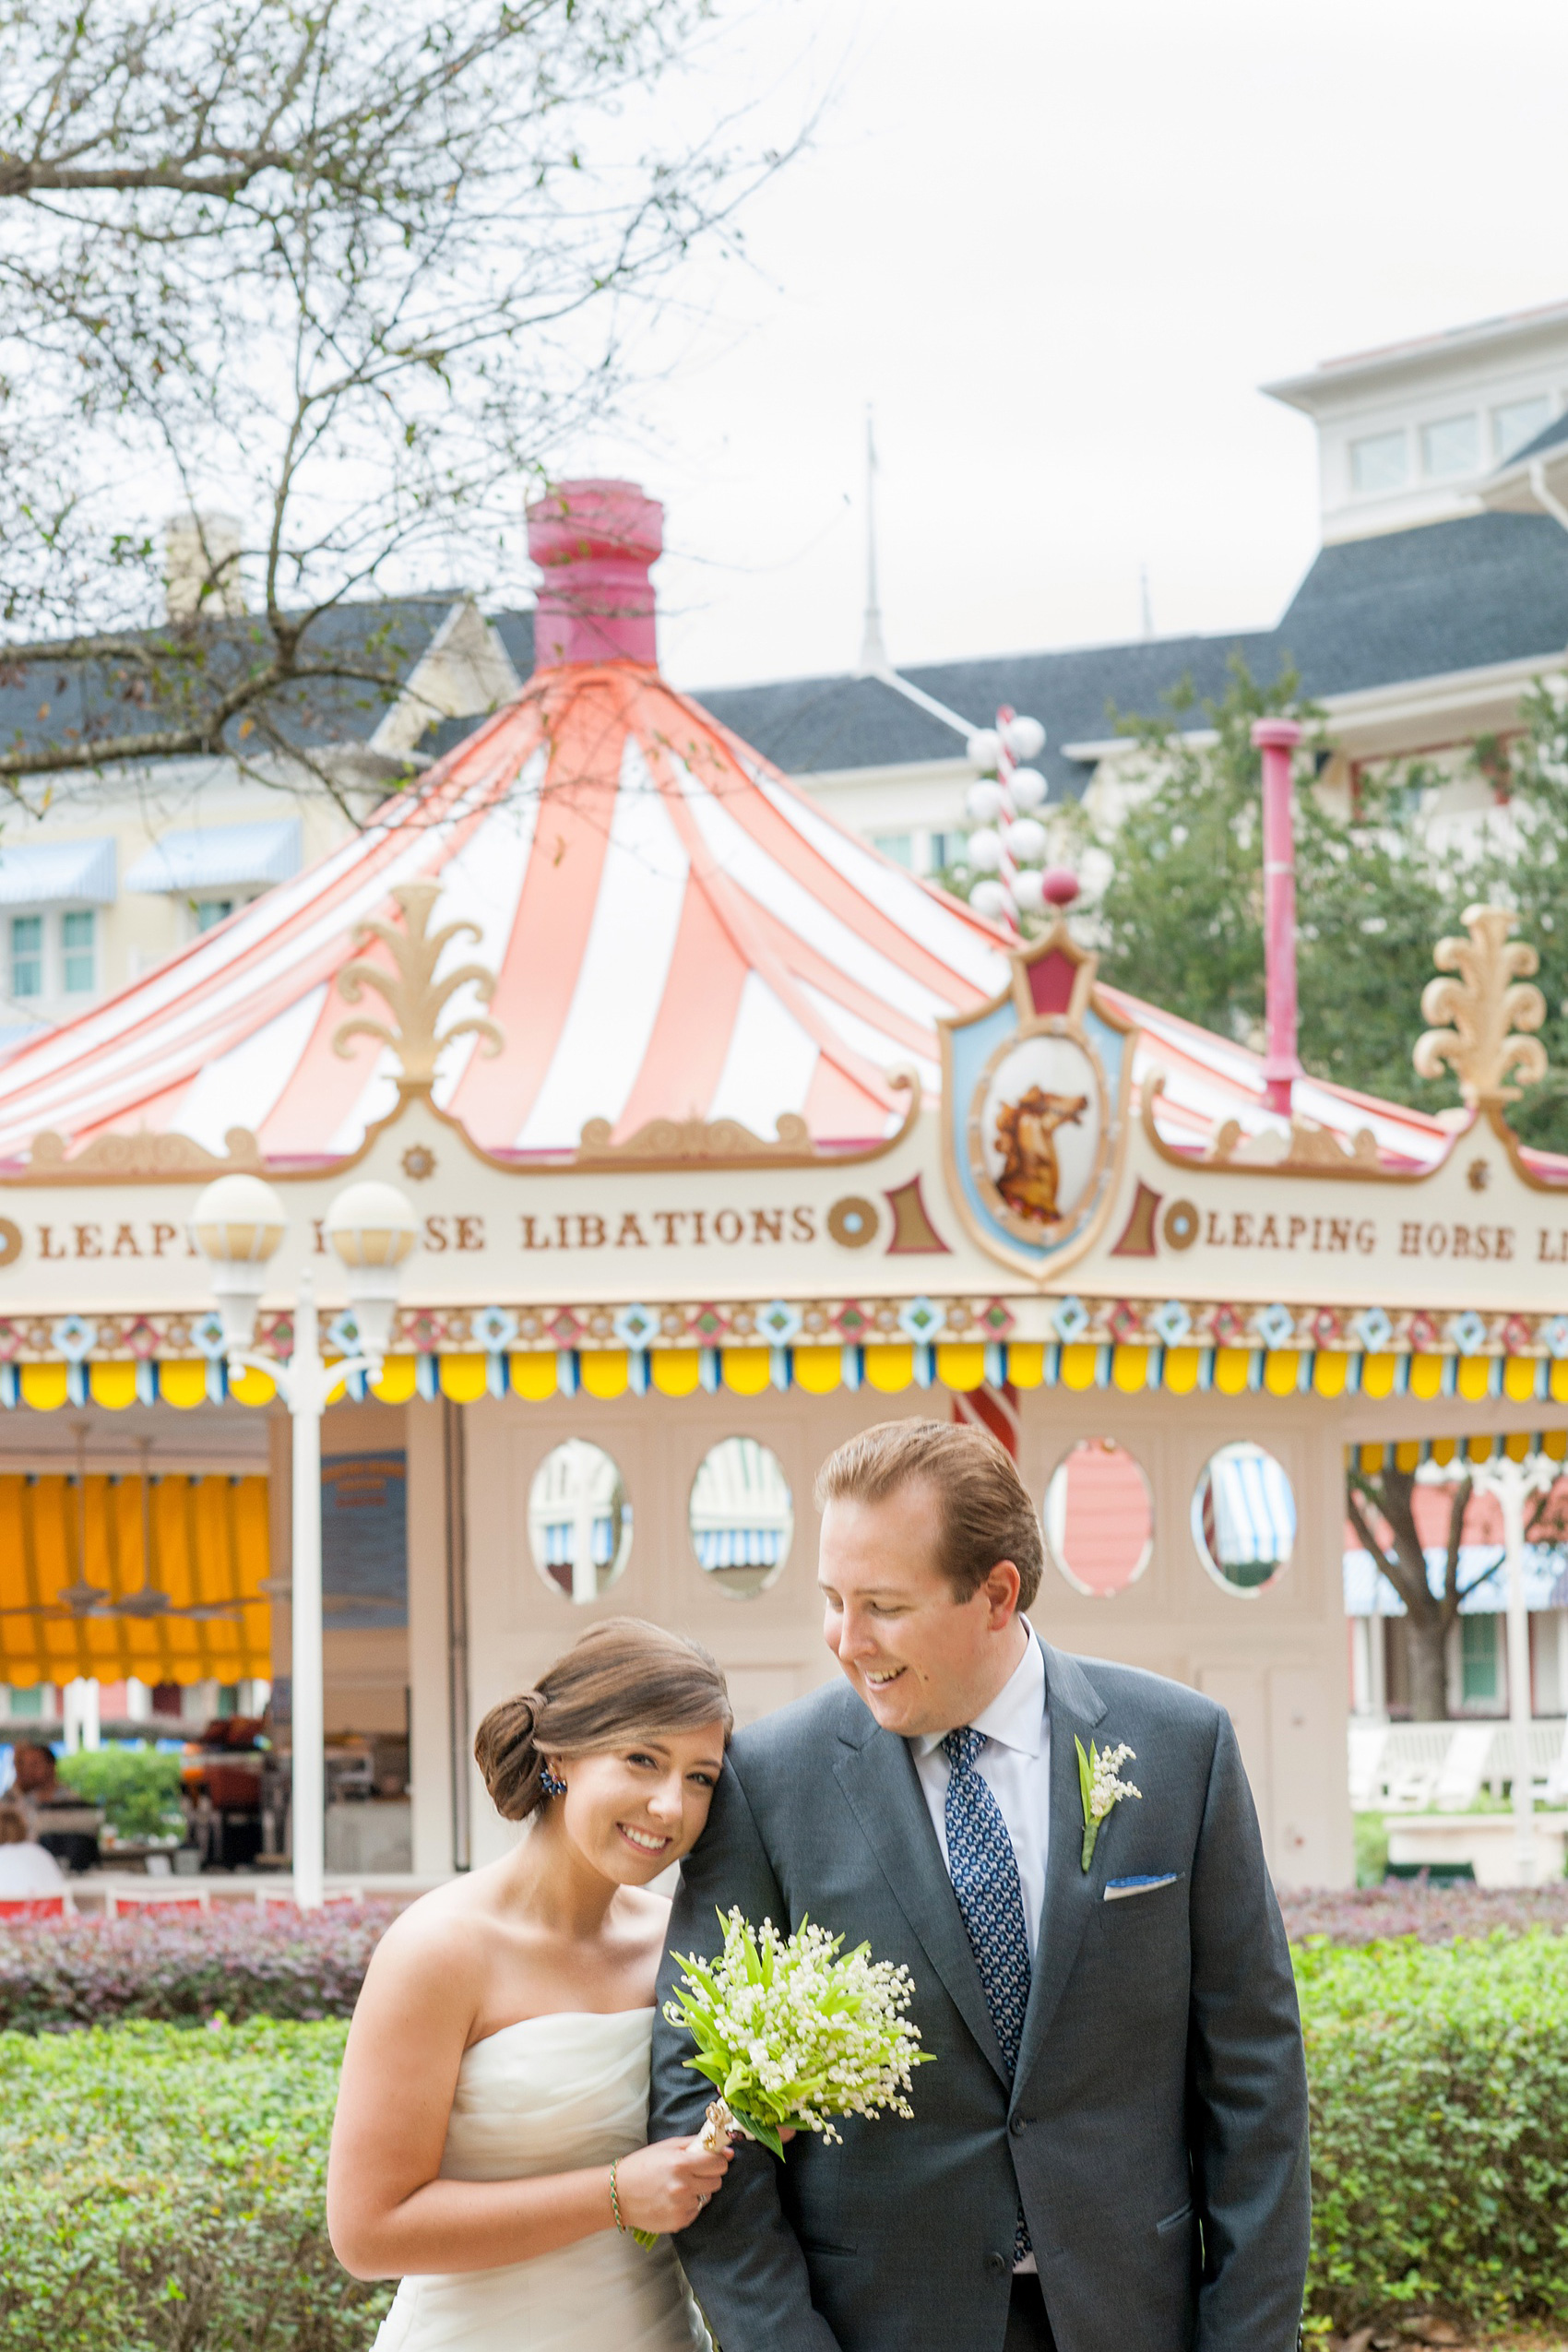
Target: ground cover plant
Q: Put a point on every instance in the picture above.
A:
(163, 2191)
(1439, 2081)
(187, 1968)
(163, 2174)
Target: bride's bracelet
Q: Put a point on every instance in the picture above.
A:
(615, 2201)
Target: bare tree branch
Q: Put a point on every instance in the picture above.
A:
(357, 277)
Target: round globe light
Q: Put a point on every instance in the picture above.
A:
(1028, 891)
(1026, 841)
(1026, 738)
(237, 1224)
(1027, 787)
(984, 748)
(238, 1220)
(985, 851)
(990, 900)
(373, 1228)
(371, 1224)
(984, 801)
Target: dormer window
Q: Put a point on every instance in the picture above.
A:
(1452, 445)
(1518, 422)
(1379, 462)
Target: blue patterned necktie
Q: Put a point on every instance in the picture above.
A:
(984, 1870)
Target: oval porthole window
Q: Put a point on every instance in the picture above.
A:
(1099, 1517)
(742, 1517)
(579, 1520)
(1245, 1517)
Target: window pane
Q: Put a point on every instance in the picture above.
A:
(76, 938)
(1451, 447)
(209, 911)
(1379, 462)
(1477, 1658)
(946, 850)
(899, 846)
(1518, 422)
(27, 955)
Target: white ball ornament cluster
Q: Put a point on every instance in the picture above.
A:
(1008, 848)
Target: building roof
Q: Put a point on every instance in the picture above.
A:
(45, 702)
(1404, 605)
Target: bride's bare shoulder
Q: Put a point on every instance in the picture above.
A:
(442, 1928)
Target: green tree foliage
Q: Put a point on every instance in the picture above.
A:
(137, 1788)
(1182, 914)
(1522, 864)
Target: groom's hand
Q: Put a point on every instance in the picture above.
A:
(665, 2186)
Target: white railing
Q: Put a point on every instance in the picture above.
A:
(1442, 1768)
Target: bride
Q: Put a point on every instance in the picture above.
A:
(490, 2142)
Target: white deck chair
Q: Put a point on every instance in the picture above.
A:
(1367, 1742)
(1464, 1767)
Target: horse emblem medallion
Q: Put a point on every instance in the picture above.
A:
(1025, 1132)
(1034, 1087)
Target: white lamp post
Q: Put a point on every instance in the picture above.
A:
(238, 1224)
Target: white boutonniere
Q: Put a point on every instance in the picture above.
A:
(1101, 1789)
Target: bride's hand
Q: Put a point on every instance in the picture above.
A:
(664, 2187)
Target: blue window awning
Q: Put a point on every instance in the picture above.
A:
(220, 857)
(57, 874)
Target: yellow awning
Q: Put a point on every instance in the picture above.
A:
(209, 1540)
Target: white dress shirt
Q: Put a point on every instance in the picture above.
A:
(1014, 1763)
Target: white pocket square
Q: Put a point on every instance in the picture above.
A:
(1118, 1889)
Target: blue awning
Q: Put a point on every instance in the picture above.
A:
(739, 1547)
(56, 873)
(1255, 1510)
(220, 857)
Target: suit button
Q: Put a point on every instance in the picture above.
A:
(996, 2263)
(1018, 2126)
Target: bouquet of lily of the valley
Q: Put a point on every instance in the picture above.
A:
(792, 2031)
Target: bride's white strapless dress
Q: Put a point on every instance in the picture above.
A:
(551, 2095)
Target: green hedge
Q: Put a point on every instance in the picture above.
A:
(163, 2191)
(163, 2183)
(1439, 2082)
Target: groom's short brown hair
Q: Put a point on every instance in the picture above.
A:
(986, 1513)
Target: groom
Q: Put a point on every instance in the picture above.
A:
(1110, 2153)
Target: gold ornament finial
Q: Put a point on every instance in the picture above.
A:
(1487, 1008)
(414, 997)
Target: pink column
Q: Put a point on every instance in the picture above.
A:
(1276, 739)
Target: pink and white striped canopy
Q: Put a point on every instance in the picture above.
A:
(675, 930)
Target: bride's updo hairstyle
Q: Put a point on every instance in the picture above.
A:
(623, 1680)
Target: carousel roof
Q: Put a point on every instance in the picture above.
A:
(675, 932)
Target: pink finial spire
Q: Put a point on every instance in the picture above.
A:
(1276, 739)
(595, 541)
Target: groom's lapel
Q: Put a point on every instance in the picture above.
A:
(1071, 1892)
(877, 1774)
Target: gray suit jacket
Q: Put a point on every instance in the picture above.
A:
(1156, 2128)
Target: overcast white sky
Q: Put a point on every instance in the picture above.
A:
(1057, 247)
